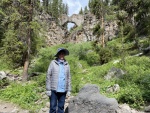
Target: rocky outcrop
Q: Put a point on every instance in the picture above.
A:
(89, 100)
(114, 73)
(90, 20)
(77, 19)
(53, 33)
(58, 33)
(9, 76)
(2, 75)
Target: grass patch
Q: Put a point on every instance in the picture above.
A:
(25, 95)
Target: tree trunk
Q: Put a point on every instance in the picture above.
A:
(103, 38)
(26, 64)
(29, 31)
(25, 70)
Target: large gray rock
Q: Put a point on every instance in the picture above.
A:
(114, 73)
(2, 75)
(89, 100)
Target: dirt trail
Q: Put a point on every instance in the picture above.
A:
(7, 107)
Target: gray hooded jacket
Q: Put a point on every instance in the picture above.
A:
(53, 73)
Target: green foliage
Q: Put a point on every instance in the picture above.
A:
(97, 30)
(15, 38)
(76, 83)
(24, 95)
(133, 86)
(56, 8)
(132, 95)
(105, 55)
(13, 49)
(135, 16)
(82, 53)
(85, 9)
(92, 58)
(4, 83)
(40, 81)
(43, 61)
(81, 11)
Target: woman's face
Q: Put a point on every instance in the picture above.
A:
(61, 55)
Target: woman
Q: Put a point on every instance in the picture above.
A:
(58, 81)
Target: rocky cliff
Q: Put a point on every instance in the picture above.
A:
(82, 31)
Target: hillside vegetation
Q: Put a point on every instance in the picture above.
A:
(23, 50)
(85, 68)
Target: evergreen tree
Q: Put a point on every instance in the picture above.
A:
(20, 37)
(85, 9)
(100, 9)
(66, 9)
(60, 7)
(81, 11)
(136, 20)
(2, 15)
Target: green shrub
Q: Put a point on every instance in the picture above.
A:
(82, 53)
(74, 64)
(5, 64)
(76, 81)
(92, 58)
(43, 61)
(132, 95)
(105, 55)
(40, 79)
(144, 82)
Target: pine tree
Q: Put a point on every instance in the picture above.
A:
(85, 9)
(136, 22)
(60, 7)
(66, 9)
(21, 37)
(2, 15)
(100, 9)
(81, 11)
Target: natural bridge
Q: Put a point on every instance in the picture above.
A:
(77, 19)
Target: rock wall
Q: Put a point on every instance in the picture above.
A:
(86, 33)
(55, 34)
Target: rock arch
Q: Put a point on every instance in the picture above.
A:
(77, 19)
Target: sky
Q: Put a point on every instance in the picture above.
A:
(75, 5)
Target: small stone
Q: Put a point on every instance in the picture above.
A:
(44, 110)
(47, 104)
(2, 75)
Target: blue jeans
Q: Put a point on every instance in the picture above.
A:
(57, 101)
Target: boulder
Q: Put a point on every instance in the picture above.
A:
(2, 75)
(147, 109)
(114, 73)
(89, 100)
